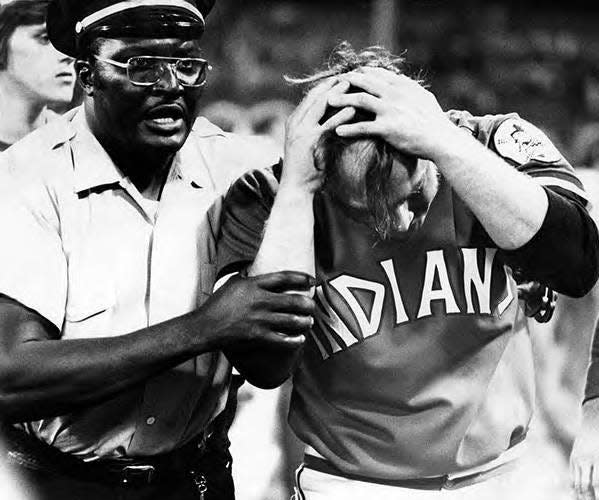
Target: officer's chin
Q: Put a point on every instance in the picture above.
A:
(163, 143)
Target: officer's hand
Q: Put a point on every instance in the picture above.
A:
(584, 461)
(246, 312)
(407, 116)
(302, 132)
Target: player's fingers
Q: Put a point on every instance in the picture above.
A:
(317, 91)
(362, 100)
(359, 129)
(283, 281)
(319, 104)
(372, 84)
(339, 118)
(389, 77)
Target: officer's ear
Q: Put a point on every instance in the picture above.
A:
(85, 71)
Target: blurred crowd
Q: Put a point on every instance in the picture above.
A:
(489, 58)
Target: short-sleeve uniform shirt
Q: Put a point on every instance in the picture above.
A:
(86, 251)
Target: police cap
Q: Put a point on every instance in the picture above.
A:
(69, 22)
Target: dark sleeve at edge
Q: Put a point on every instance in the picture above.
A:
(246, 208)
(591, 390)
(564, 252)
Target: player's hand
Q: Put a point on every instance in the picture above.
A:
(407, 115)
(303, 130)
(584, 460)
(249, 312)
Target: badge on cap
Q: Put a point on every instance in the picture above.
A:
(522, 142)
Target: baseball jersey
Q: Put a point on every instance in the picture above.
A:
(419, 363)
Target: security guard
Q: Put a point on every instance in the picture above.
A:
(113, 349)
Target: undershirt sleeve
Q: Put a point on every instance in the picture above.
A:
(592, 386)
(563, 254)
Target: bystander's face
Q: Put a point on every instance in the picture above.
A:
(157, 117)
(45, 75)
(407, 192)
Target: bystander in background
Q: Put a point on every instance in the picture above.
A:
(35, 79)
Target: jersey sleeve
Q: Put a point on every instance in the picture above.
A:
(532, 152)
(33, 267)
(245, 210)
(564, 252)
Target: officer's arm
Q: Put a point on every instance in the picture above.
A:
(43, 375)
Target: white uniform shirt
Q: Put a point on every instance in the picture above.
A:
(86, 251)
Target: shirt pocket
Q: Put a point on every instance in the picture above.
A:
(91, 300)
(207, 277)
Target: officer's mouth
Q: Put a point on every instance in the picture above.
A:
(165, 119)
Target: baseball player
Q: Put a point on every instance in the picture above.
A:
(416, 380)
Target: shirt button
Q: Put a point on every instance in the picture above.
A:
(150, 420)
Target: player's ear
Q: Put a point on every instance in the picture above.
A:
(84, 71)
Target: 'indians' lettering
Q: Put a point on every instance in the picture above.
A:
(334, 335)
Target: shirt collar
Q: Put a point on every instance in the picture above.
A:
(191, 163)
(93, 167)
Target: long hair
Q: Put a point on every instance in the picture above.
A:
(331, 148)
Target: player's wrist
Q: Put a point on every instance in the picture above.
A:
(297, 189)
(452, 144)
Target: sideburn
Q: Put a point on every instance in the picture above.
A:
(378, 188)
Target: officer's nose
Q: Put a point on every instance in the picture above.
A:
(168, 80)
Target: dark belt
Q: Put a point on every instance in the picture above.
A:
(29, 452)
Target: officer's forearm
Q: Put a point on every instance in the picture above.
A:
(43, 377)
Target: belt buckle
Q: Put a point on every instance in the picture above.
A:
(138, 474)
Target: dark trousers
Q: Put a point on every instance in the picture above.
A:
(45, 485)
(45, 475)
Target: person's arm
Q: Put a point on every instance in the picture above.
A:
(514, 209)
(42, 375)
(584, 459)
(286, 240)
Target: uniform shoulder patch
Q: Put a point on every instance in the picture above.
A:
(522, 142)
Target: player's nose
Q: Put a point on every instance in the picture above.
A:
(405, 216)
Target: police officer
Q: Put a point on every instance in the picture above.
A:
(113, 352)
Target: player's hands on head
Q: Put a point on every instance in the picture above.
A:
(249, 312)
(584, 460)
(303, 130)
(407, 115)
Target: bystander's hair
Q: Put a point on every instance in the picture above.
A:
(15, 14)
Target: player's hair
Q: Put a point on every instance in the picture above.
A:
(15, 14)
(330, 149)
